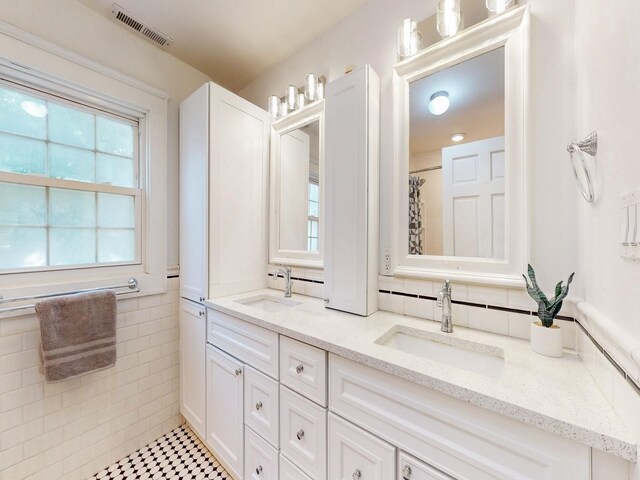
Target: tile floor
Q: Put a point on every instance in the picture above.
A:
(179, 455)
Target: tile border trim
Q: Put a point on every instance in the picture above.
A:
(630, 380)
(299, 279)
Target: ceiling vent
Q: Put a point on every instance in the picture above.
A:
(121, 15)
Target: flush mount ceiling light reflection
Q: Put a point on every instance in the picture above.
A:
(457, 137)
(35, 109)
(439, 103)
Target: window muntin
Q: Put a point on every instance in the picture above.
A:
(69, 193)
(313, 220)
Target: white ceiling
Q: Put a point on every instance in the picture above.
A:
(476, 92)
(234, 41)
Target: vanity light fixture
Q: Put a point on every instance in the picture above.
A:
(457, 137)
(439, 103)
(296, 98)
(409, 39)
(499, 6)
(448, 17)
(35, 109)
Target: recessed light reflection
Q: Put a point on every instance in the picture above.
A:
(457, 137)
(35, 109)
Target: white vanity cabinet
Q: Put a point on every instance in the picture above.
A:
(193, 338)
(225, 407)
(410, 468)
(351, 192)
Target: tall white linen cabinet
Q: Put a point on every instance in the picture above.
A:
(224, 154)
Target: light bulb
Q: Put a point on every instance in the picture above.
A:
(499, 6)
(35, 109)
(457, 137)
(311, 87)
(322, 82)
(448, 17)
(409, 39)
(274, 107)
(439, 103)
(292, 97)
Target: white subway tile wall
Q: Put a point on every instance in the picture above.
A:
(72, 429)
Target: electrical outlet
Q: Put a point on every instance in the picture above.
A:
(386, 261)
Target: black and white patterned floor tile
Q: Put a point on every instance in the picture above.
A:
(179, 455)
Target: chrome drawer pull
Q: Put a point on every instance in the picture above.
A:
(299, 369)
(300, 434)
(406, 472)
(357, 474)
(259, 470)
(238, 371)
(258, 405)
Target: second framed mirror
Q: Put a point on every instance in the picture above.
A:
(296, 188)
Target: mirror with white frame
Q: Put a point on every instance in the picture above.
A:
(297, 151)
(461, 155)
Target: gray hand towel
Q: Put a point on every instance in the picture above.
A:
(77, 334)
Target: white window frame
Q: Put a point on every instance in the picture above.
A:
(30, 61)
(50, 182)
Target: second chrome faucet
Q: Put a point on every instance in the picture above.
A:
(444, 301)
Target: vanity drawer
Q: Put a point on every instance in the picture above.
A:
(261, 411)
(303, 368)
(356, 454)
(410, 468)
(288, 471)
(253, 345)
(260, 458)
(303, 433)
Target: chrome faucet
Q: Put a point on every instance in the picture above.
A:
(444, 301)
(286, 273)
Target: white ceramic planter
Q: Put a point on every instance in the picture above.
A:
(546, 341)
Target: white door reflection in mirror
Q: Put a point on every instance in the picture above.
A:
(457, 161)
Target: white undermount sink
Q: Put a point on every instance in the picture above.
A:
(471, 356)
(268, 303)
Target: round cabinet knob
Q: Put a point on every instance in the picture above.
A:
(258, 405)
(238, 371)
(258, 469)
(325, 300)
(406, 472)
(300, 434)
(356, 475)
(201, 313)
(299, 369)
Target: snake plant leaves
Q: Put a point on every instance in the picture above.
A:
(547, 309)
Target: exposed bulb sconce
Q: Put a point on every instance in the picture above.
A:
(35, 109)
(499, 6)
(439, 103)
(588, 145)
(296, 98)
(457, 137)
(409, 39)
(448, 17)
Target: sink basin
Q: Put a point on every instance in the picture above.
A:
(471, 356)
(268, 303)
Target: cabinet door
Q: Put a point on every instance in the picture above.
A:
(193, 341)
(225, 429)
(194, 195)
(239, 166)
(355, 454)
(260, 458)
(351, 162)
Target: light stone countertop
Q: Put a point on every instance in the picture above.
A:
(555, 394)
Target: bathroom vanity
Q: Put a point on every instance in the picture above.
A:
(298, 391)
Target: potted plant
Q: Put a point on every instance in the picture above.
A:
(546, 338)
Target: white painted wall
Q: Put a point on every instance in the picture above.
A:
(71, 25)
(607, 75)
(369, 36)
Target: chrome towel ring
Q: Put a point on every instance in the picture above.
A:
(588, 145)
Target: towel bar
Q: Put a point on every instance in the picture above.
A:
(132, 285)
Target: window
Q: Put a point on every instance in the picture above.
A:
(312, 235)
(69, 183)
